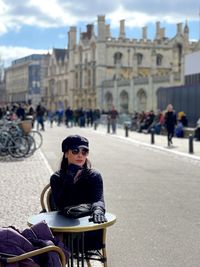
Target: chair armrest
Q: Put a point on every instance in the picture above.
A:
(44, 198)
(13, 259)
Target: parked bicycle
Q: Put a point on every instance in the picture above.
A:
(17, 138)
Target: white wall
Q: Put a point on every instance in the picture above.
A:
(192, 63)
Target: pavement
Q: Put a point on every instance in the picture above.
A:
(21, 181)
(180, 146)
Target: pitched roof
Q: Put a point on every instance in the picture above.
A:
(60, 54)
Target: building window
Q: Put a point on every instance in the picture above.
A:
(76, 80)
(66, 87)
(117, 58)
(159, 59)
(89, 78)
(139, 58)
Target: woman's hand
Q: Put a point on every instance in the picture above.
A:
(98, 216)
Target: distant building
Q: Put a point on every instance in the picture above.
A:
(2, 85)
(185, 97)
(100, 71)
(56, 83)
(25, 79)
(2, 92)
(192, 68)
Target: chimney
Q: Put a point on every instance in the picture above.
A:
(144, 33)
(179, 28)
(101, 28)
(157, 30)
(72, 37)
(122, 29)
(162, 32)
(108, 31)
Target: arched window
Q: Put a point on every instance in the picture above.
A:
(124, 102)
(139, 58)
(141, 100)
(108, 101)
(159, 59)
(118, 58)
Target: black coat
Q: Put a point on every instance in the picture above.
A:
(88, 189)
(170, 120)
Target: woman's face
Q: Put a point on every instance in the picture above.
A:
(77, 156)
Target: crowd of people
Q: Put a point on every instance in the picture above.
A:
(146, 121)
(77, 117)
(142, 122)
(168, 120)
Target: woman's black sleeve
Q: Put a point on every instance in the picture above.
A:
(61, 190)
(97, 191)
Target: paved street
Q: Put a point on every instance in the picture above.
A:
(153, 190)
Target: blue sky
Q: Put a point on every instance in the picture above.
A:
(36, 26)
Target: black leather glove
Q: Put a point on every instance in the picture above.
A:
(98, 216)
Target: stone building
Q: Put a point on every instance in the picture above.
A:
(184, 97)
(100, 71)
(2, 85)
(56, 83)
(25, 79)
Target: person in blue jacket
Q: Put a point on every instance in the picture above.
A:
(77, 183)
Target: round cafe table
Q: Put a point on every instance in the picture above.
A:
(59, 223)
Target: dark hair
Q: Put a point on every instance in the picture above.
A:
(64, 164)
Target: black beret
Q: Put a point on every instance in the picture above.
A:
(74, 141)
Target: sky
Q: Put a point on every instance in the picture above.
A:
(36, 26)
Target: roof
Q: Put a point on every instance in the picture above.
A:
(60, 54)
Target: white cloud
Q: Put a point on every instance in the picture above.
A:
(139, 19)
(10, 53)
(135, 19)
(57, 13)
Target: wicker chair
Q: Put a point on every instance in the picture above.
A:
(47, 205)
(8, 258)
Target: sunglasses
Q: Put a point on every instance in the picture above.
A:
(76, 151)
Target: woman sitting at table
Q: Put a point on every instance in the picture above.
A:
(77, 183)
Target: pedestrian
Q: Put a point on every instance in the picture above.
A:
(170, 123)
(113, 116)
(40, 112)
(20, 112)
(197, 131)
(77, 183)
(51, 115)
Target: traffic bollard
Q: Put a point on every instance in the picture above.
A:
(152, 136)
(191, 148)
(126, 130)
(95, 126)
(108, 127)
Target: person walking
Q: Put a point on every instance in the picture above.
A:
(40, 112)
(113, 116)
(170, 123)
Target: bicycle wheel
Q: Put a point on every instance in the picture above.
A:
(32, 145)
(37, 137)
(4, 137)
(18, 147)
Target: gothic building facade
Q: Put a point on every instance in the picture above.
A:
(100, 71)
